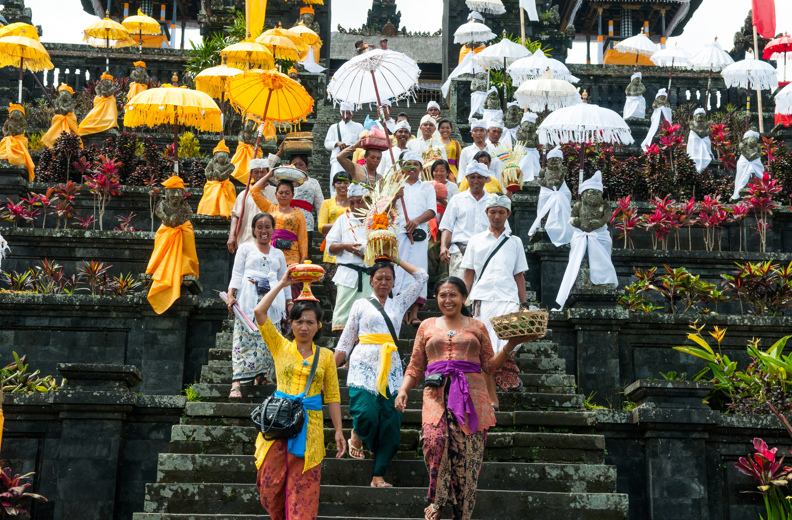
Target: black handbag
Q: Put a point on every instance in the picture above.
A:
(435, 380)
(262, 287)
(283, 244)
(419, 235)
(281, 417)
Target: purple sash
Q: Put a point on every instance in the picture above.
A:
(283, 234)
(459, 400)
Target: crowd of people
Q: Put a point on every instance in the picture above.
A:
(450, 219)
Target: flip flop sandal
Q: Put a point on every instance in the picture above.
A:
(236, 393)
(381, 484)
(355, 453)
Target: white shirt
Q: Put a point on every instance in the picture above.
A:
(419, 145)
(497, 282)
(419, 198)
(466, 156)
(346, 229)
(350, 133)
(464, 217)
(251, 210)
(385, 164)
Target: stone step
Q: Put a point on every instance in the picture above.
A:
(367, 502)
(190, 516)
(538, 383)
(230, 469)
(501, 446)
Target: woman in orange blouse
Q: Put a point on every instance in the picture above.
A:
(289, 223)
(288, 479)
(458, 348)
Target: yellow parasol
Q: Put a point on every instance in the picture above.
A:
(140, 25)
(25, 53)
(213, 81)
(247, 54)
(294, 37)
(175, 106)
(19, 29)
(282, 48)
(100, 34)
(271, 96)
(306, 34)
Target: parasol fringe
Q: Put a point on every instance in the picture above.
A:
(206, 122)
(485, 6)
(573, 134)
(33, 65)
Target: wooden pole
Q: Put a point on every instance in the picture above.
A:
(522, 25)
(758, 92)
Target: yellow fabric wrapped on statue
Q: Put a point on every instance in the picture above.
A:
(61, 123)
(14, 148)
(241, 161)
(219, 193)
(103, 116)
(135, 89)
(173, 258)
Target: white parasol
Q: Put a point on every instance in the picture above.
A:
(583, 124)
(671, 57)
(711, 58)
(751, 73)
(473, 32)
(547, 93)
(640, 45)
(534, 66)
(486, 6)
(500, 55)
(784, 100)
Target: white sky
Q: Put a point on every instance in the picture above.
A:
(720, 18)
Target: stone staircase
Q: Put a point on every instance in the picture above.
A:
(541, 461)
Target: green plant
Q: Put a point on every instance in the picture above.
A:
(206, 54)
(13, 495)
(35, 144)
(771, 474)
(15, 378)
(589, 403)
(673, 376)
(95, 272)
(765, 287)
(189, 146)
(192, 395)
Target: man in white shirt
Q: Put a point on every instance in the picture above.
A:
(464, 217)
(426, 138)
(478, 129)
(494, 133)
(258, 168)
(421, 203)
(347, 241)
(498, 287)
(339, 136)
(401, 134)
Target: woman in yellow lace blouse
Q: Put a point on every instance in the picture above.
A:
(288, 480)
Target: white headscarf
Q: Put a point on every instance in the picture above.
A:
(555, 153)
(477, 167)
(477, 123)
(475, 15)
(751, 133)
(356, 190)
(432, 104)
(530, 117)
(410, 156)
(661, 92)
(403, 124)
(700, 111)
(498, 201)
(430, 119)
(594, 183)
(636, 75)
(258, 163)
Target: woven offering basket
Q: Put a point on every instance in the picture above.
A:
(521, 323)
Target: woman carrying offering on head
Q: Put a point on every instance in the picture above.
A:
(257, 268)
(453, 351)
(289, 470)
(308, 196)
(290, 235)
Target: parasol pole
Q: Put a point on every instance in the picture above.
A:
(758, 91)
(635, 67)
(671, 76)
(140, 41)
(522, 26)
(748, 108)
(582, 149)
(390, 145)
(709, 89)
(255, 152)
(505, 93)
(21, 71)
(222, 113)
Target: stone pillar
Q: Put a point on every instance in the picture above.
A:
(675, 425)
(93, 406)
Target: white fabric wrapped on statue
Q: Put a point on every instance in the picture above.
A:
(310, 63)
(3, 248)
(467, 66)
(635, 106)
(530, 164)
(557, 205)
(493, 116)
(477, 103)
(658, 113)
(745, 171)
(598, 244)
(699, 149)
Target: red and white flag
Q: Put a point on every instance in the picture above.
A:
(764, 18)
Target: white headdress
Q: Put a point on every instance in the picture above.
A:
(495, 123)
(409, 156)
(555, 153)
(636, 75)
(347, 107)
(530, 117)
(429, 119)
(477, 167)
(477, 123)
(498, 201)
(403, 124)
(699, 111)
(594, 183)
(432, 104)
(356, 190)
(475, 15)
(258, 163)
(751, 133)
(661, 92)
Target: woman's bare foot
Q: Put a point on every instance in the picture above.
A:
(433, 512)
(236, 391)
(260, 380)
(379, 482)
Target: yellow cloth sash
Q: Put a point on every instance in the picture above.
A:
(465, 50)
(386, 340)
(14, 149)
(174, 256)
(492, 186)
(218, 198)
(135, 89)
(241, 161)
(101, 118)
(60, 124)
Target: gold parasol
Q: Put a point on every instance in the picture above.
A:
(141, 25)
(25, 53)
(101, 33)
(293, 36)
(19, 29)
(306, 34)
(175, 106)
(282, 48)
(213, 81)
(247, 55)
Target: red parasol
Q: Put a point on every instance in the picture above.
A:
(775, 49)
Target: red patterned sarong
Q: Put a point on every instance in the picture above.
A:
(286, 492)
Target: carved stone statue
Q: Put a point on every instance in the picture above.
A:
(553, 16)
(511, 119)
(590, 213)
(220, 167)
(699, 125)
(750, 149)
(479, 83)
(308, 19)
(64, 103)
(553, 174)
(492, 102)
(636, 87)
(661, 101)
(173, 208)
(248, 133)
(139, 74)
(527, 134)
(293, 75)
(15, 125)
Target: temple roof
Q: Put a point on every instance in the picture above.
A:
(185, 9)
(583, 15)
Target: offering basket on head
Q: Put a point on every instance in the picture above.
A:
(307, 273)
(525, 322)
(289, 173)
(298, 143)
